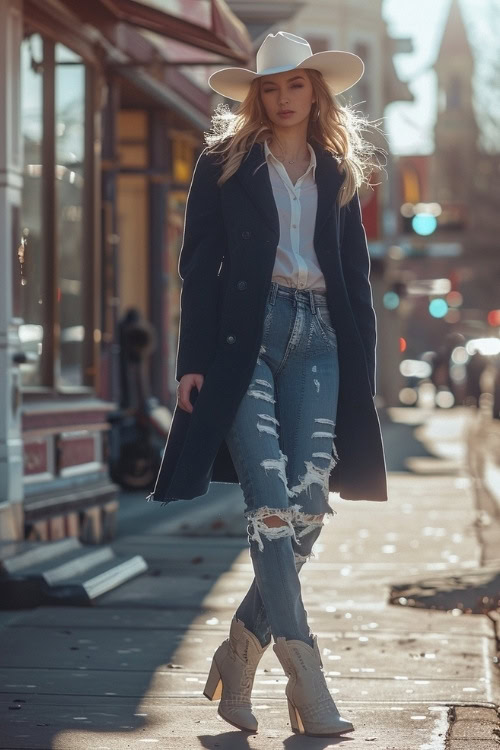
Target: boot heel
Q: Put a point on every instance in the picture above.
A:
(213, 686)
(295, 720)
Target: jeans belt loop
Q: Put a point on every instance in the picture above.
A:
(313, 304)
(274, 292)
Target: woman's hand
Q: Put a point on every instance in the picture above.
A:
(186, 384)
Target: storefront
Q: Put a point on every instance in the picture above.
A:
(99, 138)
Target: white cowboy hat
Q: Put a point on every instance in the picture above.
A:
(284, 51)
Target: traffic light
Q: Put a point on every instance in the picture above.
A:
(420, 218)
(494, 318)
(438, 307)
(392, 297)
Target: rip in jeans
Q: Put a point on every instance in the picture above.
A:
(294, 519)
(314, 474)
(292, 516)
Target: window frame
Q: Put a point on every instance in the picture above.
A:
(51, 360)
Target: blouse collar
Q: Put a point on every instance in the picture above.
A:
(312, 164)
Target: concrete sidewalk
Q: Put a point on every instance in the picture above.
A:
(130, 671)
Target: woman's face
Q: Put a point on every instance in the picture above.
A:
(292, 91)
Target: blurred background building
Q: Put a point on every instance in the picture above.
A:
(445, 261)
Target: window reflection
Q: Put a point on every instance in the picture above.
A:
(69, 173)
(29, 274)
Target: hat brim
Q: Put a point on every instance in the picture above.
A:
(341, 70)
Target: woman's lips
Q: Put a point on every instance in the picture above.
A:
(285, 114)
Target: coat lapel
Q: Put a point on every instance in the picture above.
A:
(259, 188)
(328, 181)
(258, 185)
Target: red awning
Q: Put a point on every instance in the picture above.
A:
(204, 24)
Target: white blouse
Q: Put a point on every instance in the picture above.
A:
(296, 262)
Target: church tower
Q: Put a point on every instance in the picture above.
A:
(456, 131)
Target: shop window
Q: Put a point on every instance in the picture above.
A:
(182, 160)
(133, 189)
(31, 269)
(55, 262)
(69, 184)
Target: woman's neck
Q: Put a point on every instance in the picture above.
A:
(289, 147)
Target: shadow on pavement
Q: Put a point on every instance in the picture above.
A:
(477, 592)
(400, 442)
(109, 675)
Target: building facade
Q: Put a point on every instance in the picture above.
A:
(103, 124)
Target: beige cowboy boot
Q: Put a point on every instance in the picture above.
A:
(311, 707)
(232, 674)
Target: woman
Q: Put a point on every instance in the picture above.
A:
(277, 350)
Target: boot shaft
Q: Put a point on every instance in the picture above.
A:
(311, 706)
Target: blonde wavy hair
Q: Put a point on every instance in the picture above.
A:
(337, 128)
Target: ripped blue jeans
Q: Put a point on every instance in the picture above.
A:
(282, 446)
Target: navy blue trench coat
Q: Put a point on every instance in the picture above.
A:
(226, 262)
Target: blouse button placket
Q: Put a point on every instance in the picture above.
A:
(294, 191)
(294, 194)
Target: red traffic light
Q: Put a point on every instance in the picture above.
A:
(494, 318)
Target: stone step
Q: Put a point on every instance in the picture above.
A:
(84, 588)
(16, 557)
(72, 566)
(63, 572)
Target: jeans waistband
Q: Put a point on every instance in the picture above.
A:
(310, 296)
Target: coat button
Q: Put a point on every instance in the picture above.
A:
(241, 284)
(245, 234)
(231, 339)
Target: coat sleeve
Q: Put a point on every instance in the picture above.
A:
(200, 257)
(356, 269)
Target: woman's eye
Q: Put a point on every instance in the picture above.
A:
(295, 86)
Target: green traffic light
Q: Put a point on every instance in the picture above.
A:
(438, 307)
(424, 224)
(391, 300)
